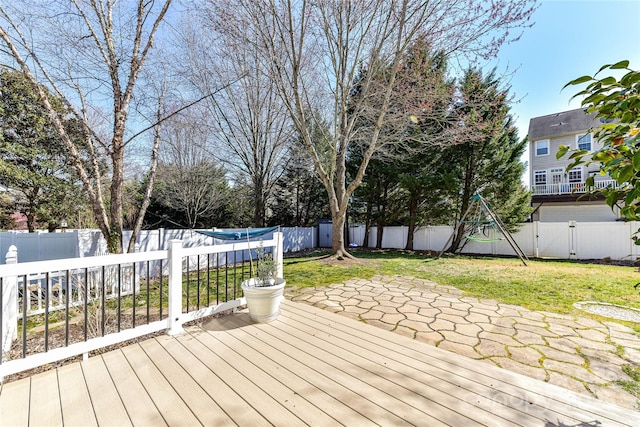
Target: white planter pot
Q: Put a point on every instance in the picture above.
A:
(263, 302)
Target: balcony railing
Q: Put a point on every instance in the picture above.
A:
(571, 187)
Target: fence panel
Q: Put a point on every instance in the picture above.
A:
(356, 234)
(593, 240)
(394, 237)
(299, 238)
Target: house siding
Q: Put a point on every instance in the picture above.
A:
(549, 161)
(582, 212)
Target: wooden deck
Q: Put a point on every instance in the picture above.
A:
(309, 367)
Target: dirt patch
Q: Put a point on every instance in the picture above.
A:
(334, 261)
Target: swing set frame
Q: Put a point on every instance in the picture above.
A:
(485, 219)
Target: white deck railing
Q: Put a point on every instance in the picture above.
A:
(572, 187)
(52, 277)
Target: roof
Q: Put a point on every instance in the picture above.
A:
(564, 123)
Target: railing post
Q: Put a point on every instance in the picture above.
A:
(175, 287)
(9, 304)
(279, 253)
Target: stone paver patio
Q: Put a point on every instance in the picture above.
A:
(577, 353)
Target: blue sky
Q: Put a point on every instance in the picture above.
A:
(570, 38)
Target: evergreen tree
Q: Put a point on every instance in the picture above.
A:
(405, 183)
(486, 157)
(33, 161)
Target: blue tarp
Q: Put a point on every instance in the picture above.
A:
(238, 235)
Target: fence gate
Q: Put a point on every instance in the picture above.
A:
(325, 234)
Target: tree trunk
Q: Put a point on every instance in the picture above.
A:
(114, 238)
(31, 221)
(413, 214)
(337, 230)
(465, 202)
(259, 203)
(379, 233)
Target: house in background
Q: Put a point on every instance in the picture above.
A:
(556, 191)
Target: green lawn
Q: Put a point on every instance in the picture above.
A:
(542, 285)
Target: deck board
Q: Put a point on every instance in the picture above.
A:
(377, 392)
(132, 393)
(308, 367)
(255, 397)
(342, 388)
(105, 400)
(14, 403)
(260, 375)
(173, 409)
(224, 395)
(74, 394)
(406, 378)
(301, 383)
(199, 402)
(45, 410)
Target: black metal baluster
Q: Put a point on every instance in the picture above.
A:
(242, 268)
(235, 272)
(198, 285)
(1, 316)
(226, 276)
(66, 317)
(188, 283)
(160, 289)
(103, 302)
(133, 284)
(208, 280)
(86, 301)
(119, 311)
(148, 286)
(217, 278)
(46, 313)
(25, 294)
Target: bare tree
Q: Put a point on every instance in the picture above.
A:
(248, 116)
(91, 54)
(190, 180)
(316, 52)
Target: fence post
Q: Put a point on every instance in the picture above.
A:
(175, 287)
(279, 253)
(9, 304)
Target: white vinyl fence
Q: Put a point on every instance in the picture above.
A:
(42, 246)
(561, 240)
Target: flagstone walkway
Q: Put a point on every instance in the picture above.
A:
(577, 353)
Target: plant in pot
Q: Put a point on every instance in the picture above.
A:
(265, 291)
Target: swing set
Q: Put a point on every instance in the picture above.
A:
(481, 224)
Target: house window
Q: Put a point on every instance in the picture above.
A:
(540, 177)
(542, 148)
(575, 175)
(584, 142)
